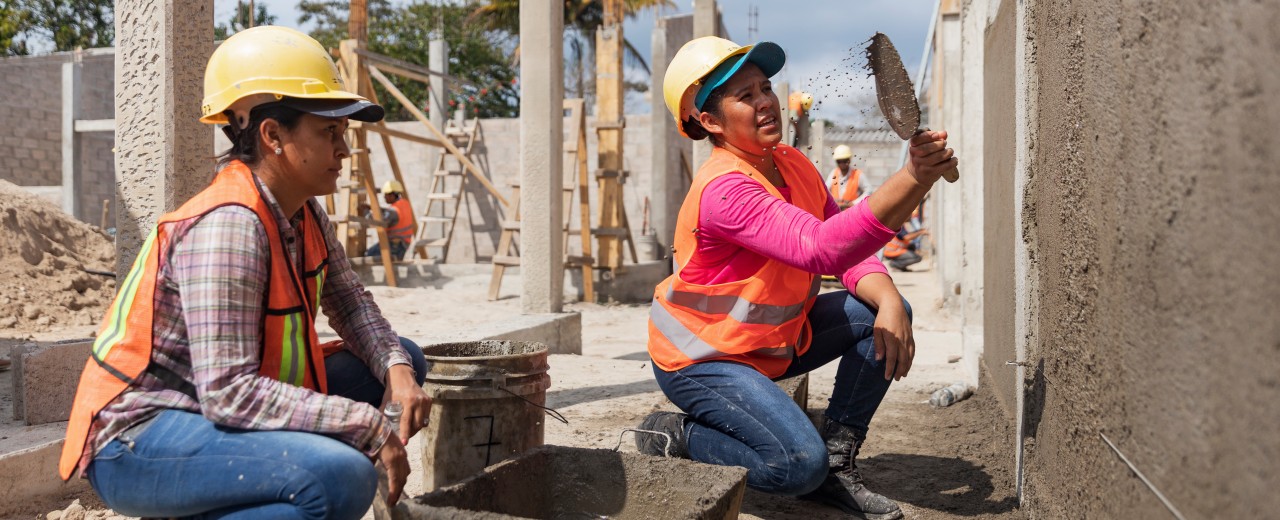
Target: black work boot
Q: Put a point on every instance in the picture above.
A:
(670, 423)
(844, 487)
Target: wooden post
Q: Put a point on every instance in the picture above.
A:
(609, 126)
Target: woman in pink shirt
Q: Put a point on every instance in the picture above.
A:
(742, 309)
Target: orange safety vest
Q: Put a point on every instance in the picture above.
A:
(406, 226)
(850, 188)
(896, 247)
(122, 351)
(761, 321)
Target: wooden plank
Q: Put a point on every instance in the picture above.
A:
(385, 130)
(609, 109)
(392, 64)
(417, 114)
(95, 125)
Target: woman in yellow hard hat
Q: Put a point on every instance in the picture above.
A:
(756, 231)
(209, 393)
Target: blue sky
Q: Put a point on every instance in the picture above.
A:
(823, 40)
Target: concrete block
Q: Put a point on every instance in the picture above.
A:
(798, 388)
(30, 479)
(45, 379)
(633, 284)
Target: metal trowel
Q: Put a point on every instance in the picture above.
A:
(895, 92)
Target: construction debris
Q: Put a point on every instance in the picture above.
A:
(55, 271)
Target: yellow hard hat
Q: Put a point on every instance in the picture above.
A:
(704, 64)
(392, 186)
(272, 63)
(841, 153)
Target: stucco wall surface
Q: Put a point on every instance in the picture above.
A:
(1153, 194)
(998, 234)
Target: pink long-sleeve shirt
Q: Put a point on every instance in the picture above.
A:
(741, 226)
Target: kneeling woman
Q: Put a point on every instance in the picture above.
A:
(756, 230)
(208, 393)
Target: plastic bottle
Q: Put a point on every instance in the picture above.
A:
(393, 410)
(950, 395)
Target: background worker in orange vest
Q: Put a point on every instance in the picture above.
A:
(844, 181)
(398, 215)
(756, 230)
(208, 391)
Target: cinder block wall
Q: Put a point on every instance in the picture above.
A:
(878, 153)
(31, 125)
(1153, 206)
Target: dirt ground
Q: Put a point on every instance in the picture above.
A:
(937, 463)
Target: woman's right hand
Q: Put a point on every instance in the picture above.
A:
(930, 157)
(396, 460)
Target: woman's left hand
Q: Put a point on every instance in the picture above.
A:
(893, 340)
(402, 388)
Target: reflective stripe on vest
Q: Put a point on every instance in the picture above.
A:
(405, 225)
(122, 350)
(761, 321)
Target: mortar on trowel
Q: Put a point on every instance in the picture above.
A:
(895, 94)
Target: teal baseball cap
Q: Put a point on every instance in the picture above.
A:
(766, 55)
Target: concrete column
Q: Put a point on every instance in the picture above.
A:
(816, 149)
(947, 227)
(782, 89)
(71, 171)
(706, 22)
(162, 149)
(541, 156)
(1026, 276)
(667, 191)
(973, 31)
(437, 93)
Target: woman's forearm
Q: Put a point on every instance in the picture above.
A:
(877, 290)
(893, 203)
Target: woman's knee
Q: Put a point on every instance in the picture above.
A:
(416, 357)
(801, 469)
(347, 478)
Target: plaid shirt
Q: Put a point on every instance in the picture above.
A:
(208, 315)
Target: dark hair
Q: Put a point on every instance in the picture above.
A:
(244, 143)
(694, 129)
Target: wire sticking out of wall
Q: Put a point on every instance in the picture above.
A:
(1176, 514)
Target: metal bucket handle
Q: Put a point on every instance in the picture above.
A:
(666, 450)
(550, 411)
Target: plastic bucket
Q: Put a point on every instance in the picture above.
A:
(488, 406)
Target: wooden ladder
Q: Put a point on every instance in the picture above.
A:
(575, 163)
(436, 227)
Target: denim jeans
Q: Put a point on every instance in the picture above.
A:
(741, 418)
(182, 465)
(398, 250)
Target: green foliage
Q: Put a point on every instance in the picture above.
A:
(68, 24)
(239, 20)
(13, 22)
(477, 55)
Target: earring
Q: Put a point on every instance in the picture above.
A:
(279, 151)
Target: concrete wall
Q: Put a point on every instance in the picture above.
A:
(1150, 212)
(31, 125)
(878, 153)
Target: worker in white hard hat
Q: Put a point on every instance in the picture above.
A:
(209, 393)
(844, 181)
(756, 230)
(398, 217)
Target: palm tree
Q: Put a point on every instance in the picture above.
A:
(581, 20)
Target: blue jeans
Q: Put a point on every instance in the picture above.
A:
(741, 418)
(398, 249)
(182, 465)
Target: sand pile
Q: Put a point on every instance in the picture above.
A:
(43, 256)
